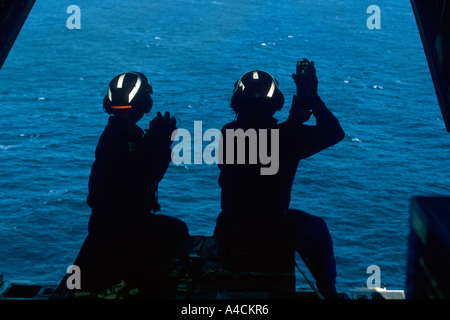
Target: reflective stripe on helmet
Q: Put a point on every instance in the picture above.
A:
(241, 85)
(120, 81)
(135, 89)
(271, 90)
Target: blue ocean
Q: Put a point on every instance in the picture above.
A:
(376, 82)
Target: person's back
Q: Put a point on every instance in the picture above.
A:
(255, 206)
(129, 165)
(121, 176)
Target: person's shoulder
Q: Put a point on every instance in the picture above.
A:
(230, 125)
(289, 126)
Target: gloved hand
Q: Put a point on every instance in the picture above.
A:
(161, 129)
(303, 103)
(307, 84)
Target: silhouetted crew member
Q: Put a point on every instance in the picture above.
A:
(129, 164)
(255, 207)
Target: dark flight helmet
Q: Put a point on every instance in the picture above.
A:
(256, 89)
(128, 93)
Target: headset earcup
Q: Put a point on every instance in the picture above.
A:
(148, 104)
(279, 97)
(238, 100)
(107, 105)
(279, 101)
(233, 102)
(147, 101)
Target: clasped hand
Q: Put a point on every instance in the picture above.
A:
(161, 129)
(303, 103)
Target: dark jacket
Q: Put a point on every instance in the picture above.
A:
(125, 175)
(252, 201)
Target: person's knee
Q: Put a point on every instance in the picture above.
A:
(321, 226)
(306, 220)
(173, 227)
(307, 229)
(182, 229)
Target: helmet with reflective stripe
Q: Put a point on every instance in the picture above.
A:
(128, 92)
(257, 89)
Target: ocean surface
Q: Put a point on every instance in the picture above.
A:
(376, 81)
